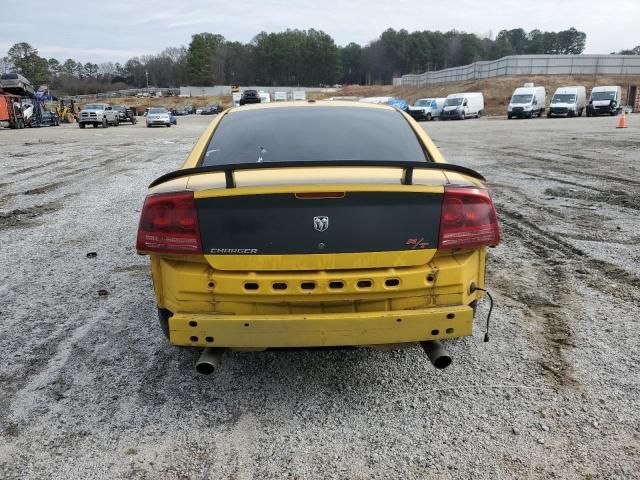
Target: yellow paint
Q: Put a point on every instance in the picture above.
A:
(211, 289)
(320, 330)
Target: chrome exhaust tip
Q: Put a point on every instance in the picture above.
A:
(209, 360)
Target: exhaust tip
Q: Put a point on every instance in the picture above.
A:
(209, 360)
(437, 354)
(442, 362)
(205, 368)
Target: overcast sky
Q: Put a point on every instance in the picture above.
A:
(115, 30)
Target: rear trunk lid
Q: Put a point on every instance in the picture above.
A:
(367, 219)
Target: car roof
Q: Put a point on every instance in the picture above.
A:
(311, 103)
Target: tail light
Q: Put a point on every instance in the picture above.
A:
(468, 219)
(169, 224)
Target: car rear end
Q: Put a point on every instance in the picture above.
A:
(250, 97)
(269, 242)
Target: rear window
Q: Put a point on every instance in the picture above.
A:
(301, 134)
(9, 76)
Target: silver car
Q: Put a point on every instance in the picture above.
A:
(158, 116)
(16, 83)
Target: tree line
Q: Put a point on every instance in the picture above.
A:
(293, 57)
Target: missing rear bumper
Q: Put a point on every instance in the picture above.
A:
(320, 330)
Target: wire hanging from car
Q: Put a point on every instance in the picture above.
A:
(486, 334)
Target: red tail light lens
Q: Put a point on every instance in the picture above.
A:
(169, 224)
(468, 219)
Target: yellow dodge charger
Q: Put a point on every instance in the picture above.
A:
(316, 224)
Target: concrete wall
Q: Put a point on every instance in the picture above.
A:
(530, 65)
(226, 90)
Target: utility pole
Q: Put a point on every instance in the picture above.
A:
(146, 73)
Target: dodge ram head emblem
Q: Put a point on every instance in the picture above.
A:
(321, 223)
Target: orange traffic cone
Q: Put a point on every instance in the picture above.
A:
(623, 121)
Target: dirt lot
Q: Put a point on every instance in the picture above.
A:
(90, 389)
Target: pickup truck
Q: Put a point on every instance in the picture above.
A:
(125, 114)
(98, 114)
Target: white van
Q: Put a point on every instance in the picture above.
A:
(462, 105)
(605, 101)
(280, 96)
(527, 101)
(264, 97)
(426, 108)
(569, 101)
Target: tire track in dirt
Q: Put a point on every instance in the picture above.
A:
(561, 168)
(549, 303)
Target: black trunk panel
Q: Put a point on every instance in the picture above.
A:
(283, 224)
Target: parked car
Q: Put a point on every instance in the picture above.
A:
(249, 248)
(527, 102)
(16, 84)
(199, 111)
(98, 114)
(250, 96)
(605, 100)
(158, 116)
(189, 109)
(462, 105)
(210, 110)
(181, 111)
(427, 108)
(125, 114)
(569, 101)
(399, 104)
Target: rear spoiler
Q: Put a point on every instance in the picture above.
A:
(407, 175)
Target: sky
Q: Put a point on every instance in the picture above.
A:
(115, 30)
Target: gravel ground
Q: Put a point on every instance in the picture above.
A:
(90, 389)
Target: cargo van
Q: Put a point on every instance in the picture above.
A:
(462, 105)
(299, 95)
(605, 101)
(264, 97)
(527, 101)
(280, 96)
(427, 108)
(569, 101)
